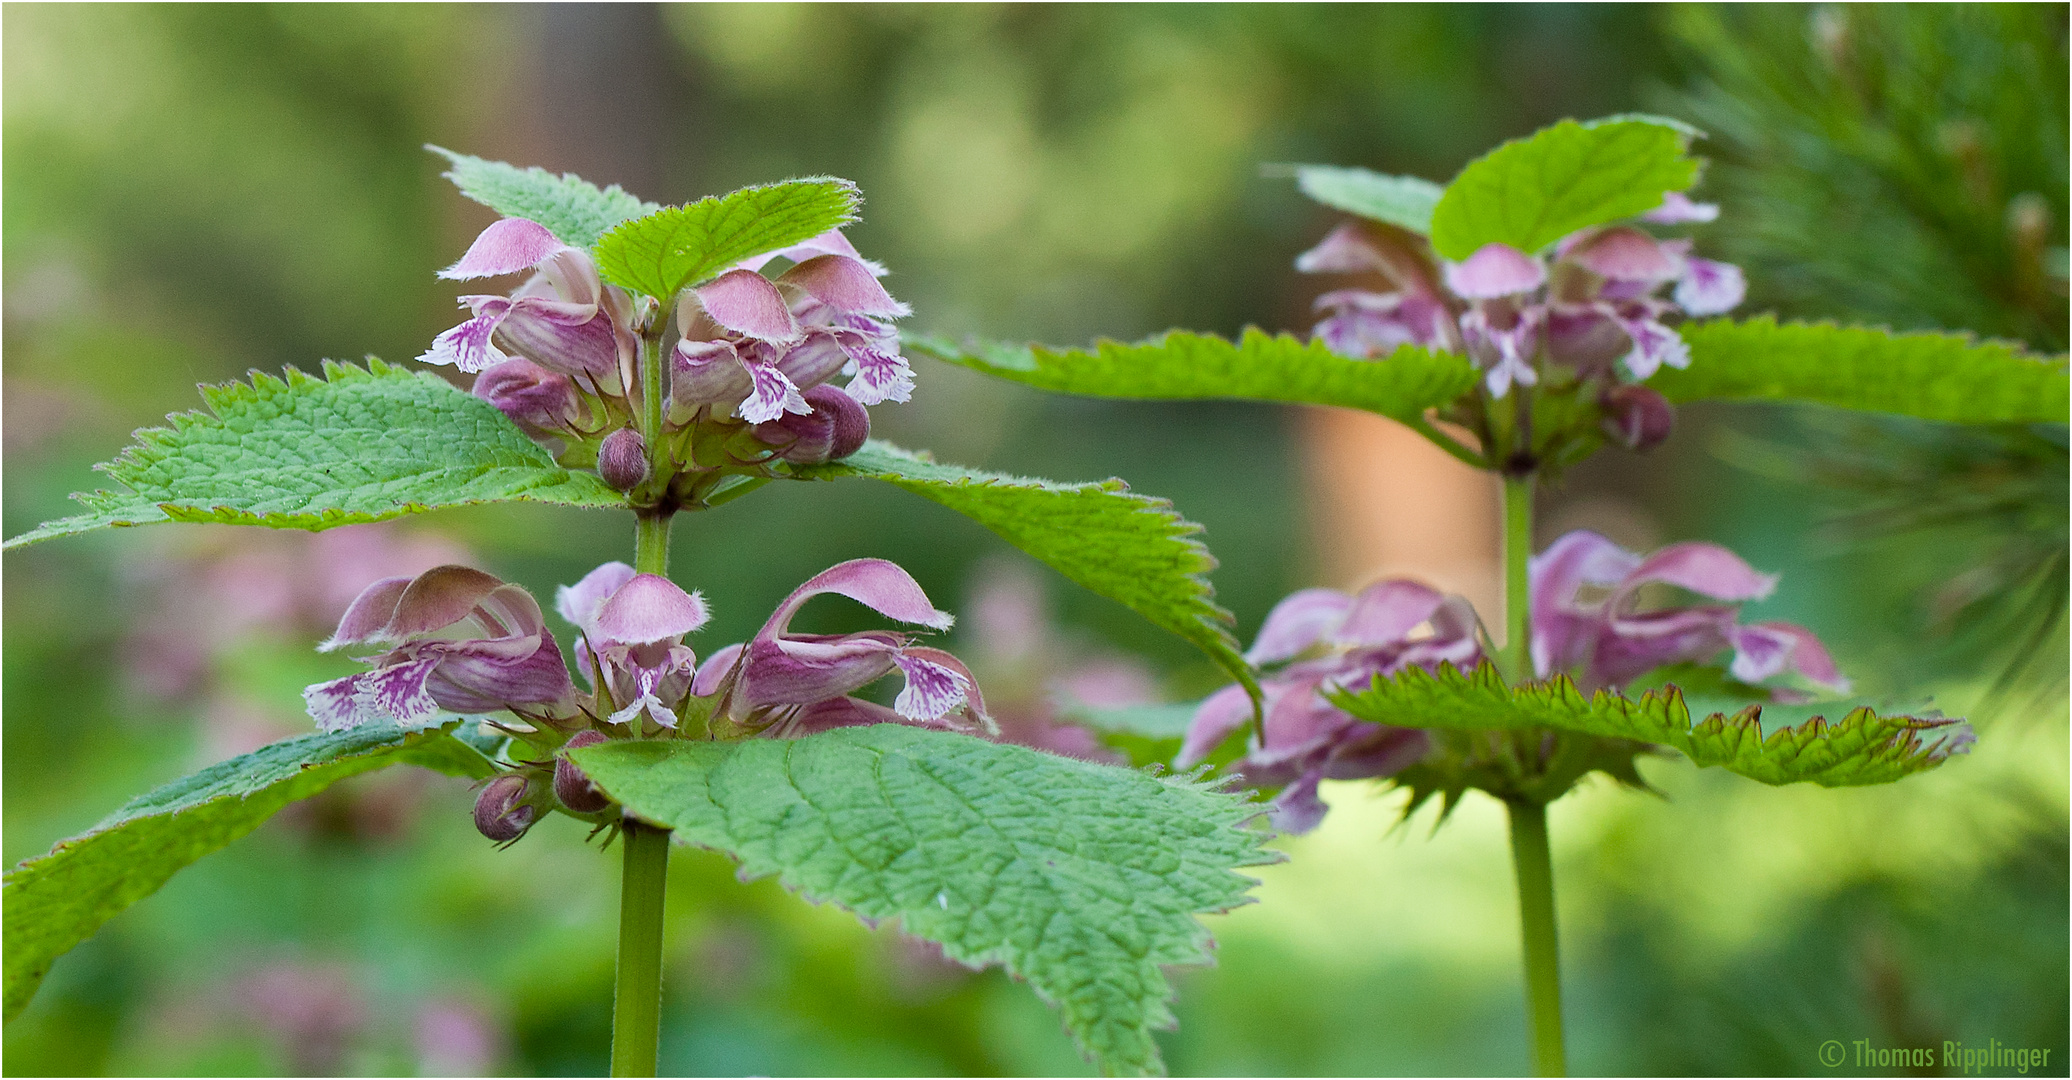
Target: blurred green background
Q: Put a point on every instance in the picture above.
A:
(192, 191)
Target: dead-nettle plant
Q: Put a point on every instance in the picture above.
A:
(654, 360)
(1532, 311)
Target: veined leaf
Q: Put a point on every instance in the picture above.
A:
(1950, 377)
(1081, 879)
(1128, 547)
(364, 444)
(1403, 201)
(57, 900)
(1256, 367)
(1533, 191)
(685, 245)
(569, 206)
(1861, 747)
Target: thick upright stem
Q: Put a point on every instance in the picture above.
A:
(637, 1000)
(1542, 946)
(1516, 660)
(653, 385)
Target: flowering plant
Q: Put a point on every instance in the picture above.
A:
(1525, 316)
(657, 360)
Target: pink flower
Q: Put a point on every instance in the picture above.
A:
(786, 684)
(513, 665)
(751, 344)
(563, 318)
(1381, 630)
(633, 627)
(1585, 619)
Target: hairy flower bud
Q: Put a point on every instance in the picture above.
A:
(501, 812)
(623, 459)
(835, 428)
(571, 785)
(1636, 417)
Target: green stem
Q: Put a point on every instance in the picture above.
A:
(651, 543)
(652, 387)
(1516, 660)
(1446, 442)
(1542, 947)
(637, 1000)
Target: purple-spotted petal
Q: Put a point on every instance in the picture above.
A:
(1678, 209)
(831, 242)
(1296, 623)
(337, 705)
(1710, 288)
(650, 608)
(835, 712)
(574, 339)
(1495, 270)
(745, 302)
(398, 691)
(877, 584)
(369, 614)
(467, 346)
(474, 676)
(846, 285)
(1224, 712)
(505, 247)
(932, 690)
(1385, 612)
(880, 376)
(772, 395)
(1653, 346)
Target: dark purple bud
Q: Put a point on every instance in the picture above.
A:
(623, 459)
(1637, 417)
(571, 786)
(835, 428)
(501, 812)
(535, 399)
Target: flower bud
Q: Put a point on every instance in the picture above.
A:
(571, 786)
(1636, 417)
(623, 460)
(537, 400)
(835, 428)
(501, 812)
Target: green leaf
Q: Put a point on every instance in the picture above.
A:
(569, 206)
(306, 453)
(59, 899)
(1530, 192)
(685, 245)
(1403, 201)
(1128, 547)
(1860, 748)
(1081, 879)
(1950, 377)
(1257, 367)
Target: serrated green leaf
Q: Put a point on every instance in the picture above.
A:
(1404, 201)
(364, 444)
(1530, 192)
(1256, 367)
(1860, 748)
(572, 208)
(1081, 879)
(1949, 377)
(57, 900)
(1128, 547)
(685, 245)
